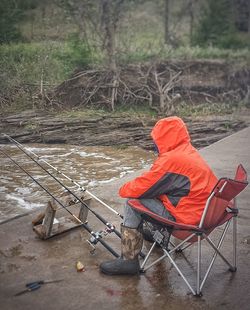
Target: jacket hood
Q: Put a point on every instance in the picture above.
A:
(169, 133)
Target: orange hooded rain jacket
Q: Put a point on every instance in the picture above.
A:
(179, 177)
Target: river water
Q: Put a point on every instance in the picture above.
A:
(88, 166)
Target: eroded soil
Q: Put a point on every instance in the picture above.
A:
(43, 127)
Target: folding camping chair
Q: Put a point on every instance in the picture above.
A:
(220, 209)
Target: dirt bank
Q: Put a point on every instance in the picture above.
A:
(160, 85)
(41, 127)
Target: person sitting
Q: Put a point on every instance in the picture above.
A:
(176, 187)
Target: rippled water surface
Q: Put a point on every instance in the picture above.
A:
(88, 166)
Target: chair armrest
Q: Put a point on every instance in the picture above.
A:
(231, 207)
(139, 207)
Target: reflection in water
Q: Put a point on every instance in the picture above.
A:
(88, 166)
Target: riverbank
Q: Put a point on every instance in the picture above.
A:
(33, 126)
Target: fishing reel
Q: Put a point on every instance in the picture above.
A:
(96, 236)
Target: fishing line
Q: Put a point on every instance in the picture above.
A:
(61, 204)
(110, 226)
(64, 175)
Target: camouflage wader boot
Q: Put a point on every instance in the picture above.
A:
(128, 263)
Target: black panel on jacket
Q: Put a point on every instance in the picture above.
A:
(174, 185)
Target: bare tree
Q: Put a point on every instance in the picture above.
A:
(162, 88)
(166, 21)
(241, 11)
(84, 14)
(98, 22)
(191, 15)
(111, 11)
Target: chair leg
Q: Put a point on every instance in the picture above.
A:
(178, 248)
(184, 248)
(179, 271)
(234, 245)
(217, 248)
(216, 252)
(198, 292)
(147, 257)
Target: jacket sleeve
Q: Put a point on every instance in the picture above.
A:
(138, 186)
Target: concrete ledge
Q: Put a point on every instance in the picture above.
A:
(25, 258)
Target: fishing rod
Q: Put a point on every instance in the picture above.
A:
(65, 176)
(110, 226)
(96, 236)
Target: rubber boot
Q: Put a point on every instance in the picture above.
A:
(128, 263)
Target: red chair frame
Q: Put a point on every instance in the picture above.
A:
(220, 209)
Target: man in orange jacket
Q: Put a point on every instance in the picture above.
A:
(176, 187)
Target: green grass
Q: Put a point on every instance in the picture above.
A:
(25, 65)
(182, 110)
(83, 113)
(121, 111)
(164, 52)
(204, 109)
(24, 62)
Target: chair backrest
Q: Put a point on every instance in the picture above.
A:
(223, 193)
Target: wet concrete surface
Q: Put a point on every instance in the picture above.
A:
(25, 258)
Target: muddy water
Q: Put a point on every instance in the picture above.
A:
(88, 166)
